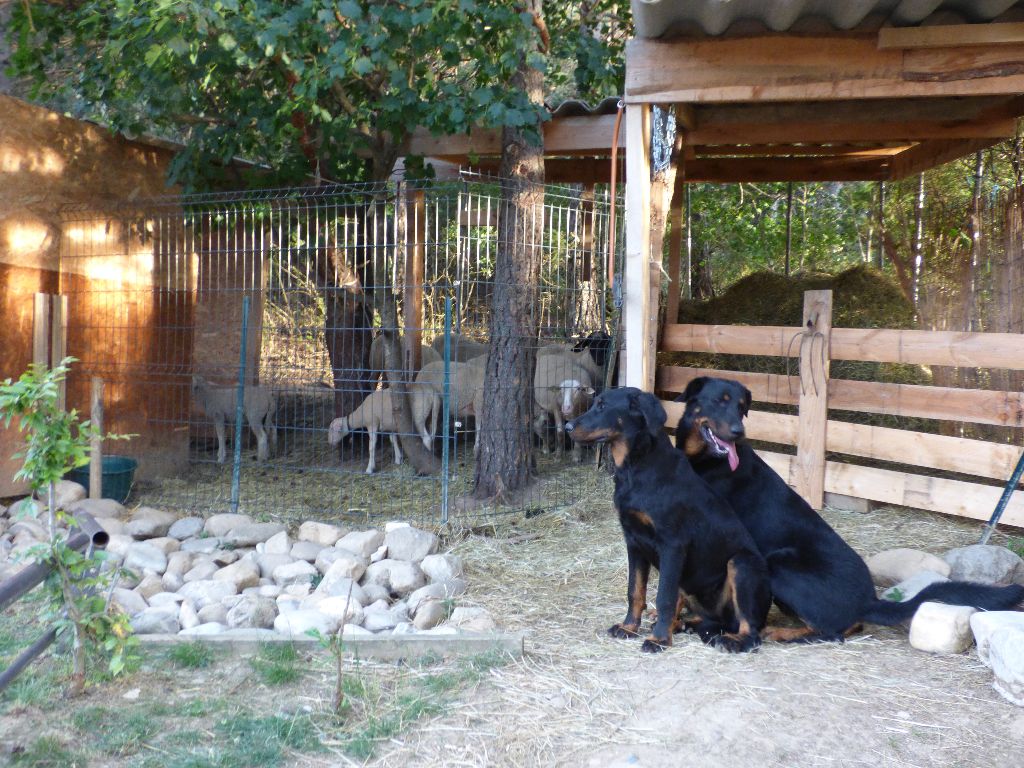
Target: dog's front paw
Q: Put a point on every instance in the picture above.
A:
(624, 631)
(655, 644)
(736, 643)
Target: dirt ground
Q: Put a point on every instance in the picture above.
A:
(580, 698)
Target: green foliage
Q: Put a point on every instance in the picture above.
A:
(588, 43)
(48, 752)
(303, 86)
(1016, 545)
(277, 663)
(195, 655)
(895, 595)
(55, 443)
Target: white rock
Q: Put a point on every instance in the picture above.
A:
(187, 616)
(404, 628)
(476, 619)
(129, 601)
(251, 534)
(363, 543)
(278, 544)
(429, 614)
(298, 572)
(352, 630)
(150, 585)
(113, 526)
(895, 565)
(269, 590)
(214, 613)
(27, 508)
(202, 569)
(142, 556)
(306, 550)
(172, 582)
(179, 563)
(225, 556)
(32, 528)
(986, 623)
(379, 621)
(186, 528)
(202, 545)
(302, 621)
(985, 563)
(268, 561)
(166, 598)
(341, 587)
(399, 577)
(1006, 654)
(219, 525)
(394, 525)
(208, 628)
(99, 508)
(348, 567)
(149, 523)
(324, 534)
(380, 554)
(329, 555)
(166, 544)
(909, 588)
(940, 628)
(162, 619)
(119, 545)
(207, 591)
(344, 610)
(287, 603)
(250, 611)
(444, 567)
(409, 544)
(375, 593)
(244, 573)
(433, 591)
(301, 589)
(67, 492)
(444, 629)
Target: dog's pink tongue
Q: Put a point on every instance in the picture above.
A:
(734, 459)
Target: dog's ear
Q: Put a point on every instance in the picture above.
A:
(692, 389)
(746, 400)
(648, 406)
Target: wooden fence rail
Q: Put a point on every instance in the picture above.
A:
(814, 434)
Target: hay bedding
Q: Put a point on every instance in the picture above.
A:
(579, 698)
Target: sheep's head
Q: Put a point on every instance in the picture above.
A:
(573, 397)
(337, 431)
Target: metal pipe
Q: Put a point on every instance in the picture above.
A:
(445, 407)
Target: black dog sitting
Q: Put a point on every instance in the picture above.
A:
(672, 520)
(815, 575)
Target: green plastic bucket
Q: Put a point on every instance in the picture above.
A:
(118, 475)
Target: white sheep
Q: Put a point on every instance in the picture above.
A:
(376, 414)
(427, 355)
(259, 405)
(581, 357)
(466, 393)
(463, 348)
(562, 388)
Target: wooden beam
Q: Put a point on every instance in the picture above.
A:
(800, 150)
(951, 35)
(562, 135)
(830, 131)
(813, 68)
(813, 409)
(639, 317)
(929, 154)
(729, 170)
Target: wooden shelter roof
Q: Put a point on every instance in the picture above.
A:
(811, 90)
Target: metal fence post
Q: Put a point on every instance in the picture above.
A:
(236, 469)
(446, 408)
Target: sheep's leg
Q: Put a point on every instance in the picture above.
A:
(397, 446)
(222, 449)
(262, 450)
(478, 407)
(540, 424)
(559, 434)
(435, 413)
(371, 467)
(271, 428)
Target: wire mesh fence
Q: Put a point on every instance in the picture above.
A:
(156, 291)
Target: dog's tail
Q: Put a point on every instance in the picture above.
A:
(981, 596)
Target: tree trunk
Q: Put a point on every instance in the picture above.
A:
(504, 462)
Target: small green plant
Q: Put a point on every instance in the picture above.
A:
(194, 655)
(56, 442)
(895, 595)
(277, 663)
(1016, 545)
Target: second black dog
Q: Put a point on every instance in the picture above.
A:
(672, 520)
(815, 575)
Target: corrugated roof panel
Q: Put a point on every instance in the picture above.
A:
(655, 18)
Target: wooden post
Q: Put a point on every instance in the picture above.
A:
(639, 316)
(675, 249)
(412, 308)
(59, 340)
(96, 442)
(809, 467)
(41, 330)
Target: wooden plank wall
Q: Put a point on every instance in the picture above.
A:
(977, 458)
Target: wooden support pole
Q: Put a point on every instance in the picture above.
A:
(675, 252)
(96, 442)
(41, 330)
(639, 316)
(815, 353)
(412, 308)
(59, 340)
